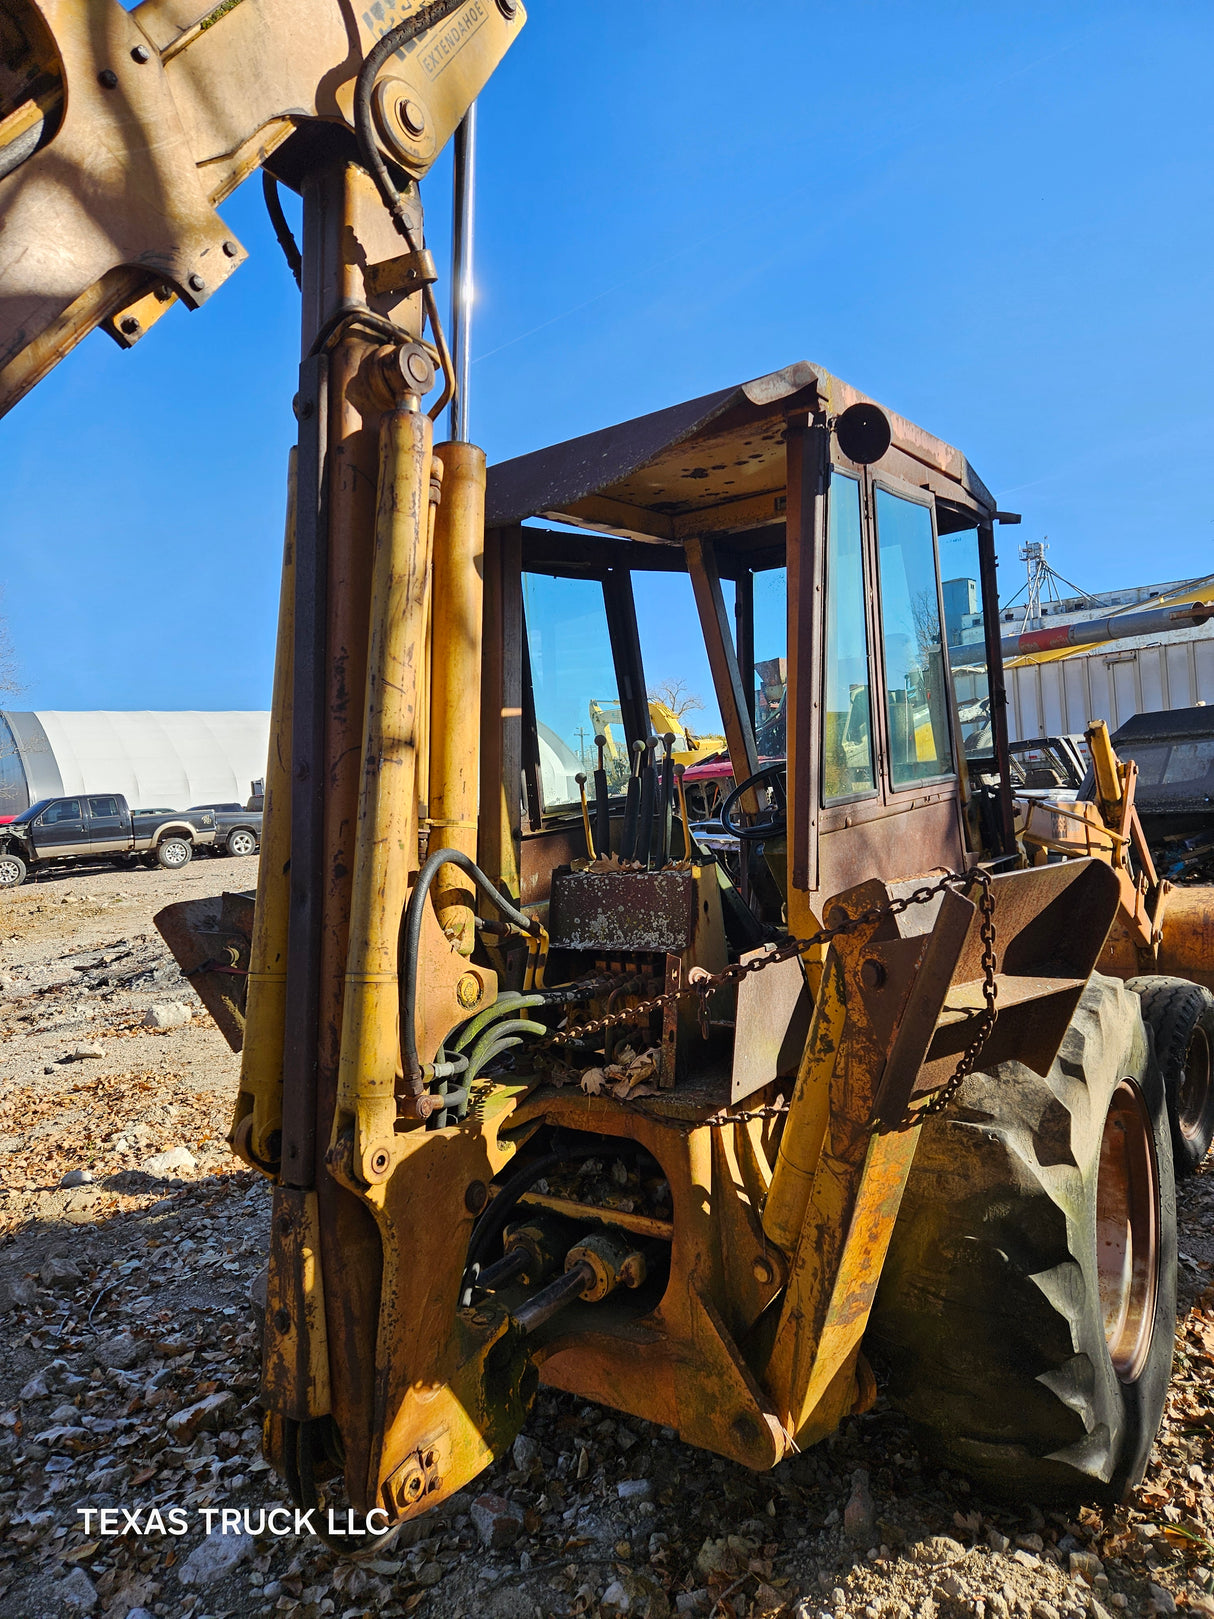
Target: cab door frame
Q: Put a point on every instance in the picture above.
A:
(61, 847)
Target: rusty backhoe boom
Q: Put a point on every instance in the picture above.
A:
(121, 133)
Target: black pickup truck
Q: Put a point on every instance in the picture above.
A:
(237, 826)
(98, 826)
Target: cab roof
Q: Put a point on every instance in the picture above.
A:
(713, 464)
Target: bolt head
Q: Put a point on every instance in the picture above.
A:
(762, 1269)
(197, 282)
(412, 117)
(508, 8)
(230, 250)
(107, 78)
(140, 54)
(476, 1197)
(872, 974)
(129, 326)
(282, 1319)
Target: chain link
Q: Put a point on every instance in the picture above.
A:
(706, 985)
(986, 1023)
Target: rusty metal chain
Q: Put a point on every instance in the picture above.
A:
(986, 1023)
(773, 1110)
(706, 985)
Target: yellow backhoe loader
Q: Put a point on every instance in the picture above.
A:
(596, 1116)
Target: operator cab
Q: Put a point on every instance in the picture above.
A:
(794, 583)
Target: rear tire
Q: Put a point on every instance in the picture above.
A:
(1180, 1015)
(241, 842)
(1027, 1309)
(12, 870)
(173, 853)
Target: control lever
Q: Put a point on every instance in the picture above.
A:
(649, 788)
(602, 806)
(632, 805)
(687, 849)
(664, 810)
(580, 778)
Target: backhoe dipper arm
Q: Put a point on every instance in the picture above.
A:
(122, 131)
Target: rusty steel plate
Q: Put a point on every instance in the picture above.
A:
(629, 911)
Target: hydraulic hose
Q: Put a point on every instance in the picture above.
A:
(282, 230)
(488, 1042)
(427, 16)
(496, 1050)
(414, 912)
(510, 1001)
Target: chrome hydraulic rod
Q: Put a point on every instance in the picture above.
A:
(543, 1305)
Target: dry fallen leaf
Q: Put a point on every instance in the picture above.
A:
(593, 1081)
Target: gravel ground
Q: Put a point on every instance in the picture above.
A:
(128, 1382)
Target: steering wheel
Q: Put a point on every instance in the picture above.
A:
(770, 826)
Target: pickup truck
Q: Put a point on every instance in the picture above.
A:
(98, 826)
(237, 826)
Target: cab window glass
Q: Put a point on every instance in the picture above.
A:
(847, 743)
(572, 679)
(771, 661)
(679, 688)
(67, 809)
(965, 638)
(915, 693)
(1151, 762)
(101, 807)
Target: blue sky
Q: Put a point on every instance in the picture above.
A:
(995, 219)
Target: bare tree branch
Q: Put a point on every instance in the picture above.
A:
(676, 697)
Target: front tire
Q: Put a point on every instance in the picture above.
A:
(173, 853)
(12, 870)
(1027, 1308)
(1181, 1017)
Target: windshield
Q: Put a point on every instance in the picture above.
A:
(1170, 763)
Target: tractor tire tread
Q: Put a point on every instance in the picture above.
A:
(988, 1317)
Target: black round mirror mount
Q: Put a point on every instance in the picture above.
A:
(864, 433)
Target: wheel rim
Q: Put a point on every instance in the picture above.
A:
(1194, 1097)
(10, 873)
(174, 854)
(1127, 1231)
(241, 843)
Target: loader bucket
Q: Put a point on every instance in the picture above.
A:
(1187, 947)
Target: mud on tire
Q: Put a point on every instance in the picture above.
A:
(990, 1320)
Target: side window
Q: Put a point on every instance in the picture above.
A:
(103, 807)
(572, 681)
(915, 694)
(847, 740)
(965, 636)
(771, 662)
(67, 809)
